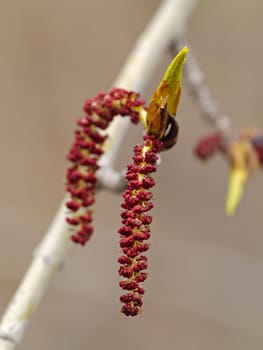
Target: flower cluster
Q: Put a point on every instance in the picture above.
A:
(161, 134)
(244, 154)
(136, 223)
(86, 151)
(216, 142)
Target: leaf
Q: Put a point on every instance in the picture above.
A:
(237, 180)
(239, 152)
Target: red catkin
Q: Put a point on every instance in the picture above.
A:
(136, 224)
(86, 151)
(208, 145)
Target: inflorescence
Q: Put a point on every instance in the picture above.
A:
(84, 154)
(86, 151)
(136, 223)
(161, 134)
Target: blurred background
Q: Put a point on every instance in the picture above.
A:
(206, 284)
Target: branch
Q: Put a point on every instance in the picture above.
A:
(209, 107)
(49, 256)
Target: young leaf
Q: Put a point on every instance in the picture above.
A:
(237, 180)
(239, 152)
(165, 99)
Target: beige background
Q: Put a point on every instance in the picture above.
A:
(206, 282)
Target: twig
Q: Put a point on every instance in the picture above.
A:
(49, 256)
(209, 106)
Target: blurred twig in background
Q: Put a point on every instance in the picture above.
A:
(209, 106)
